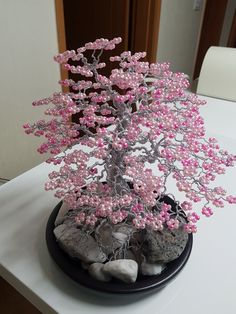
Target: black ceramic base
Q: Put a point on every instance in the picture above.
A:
(144, 283)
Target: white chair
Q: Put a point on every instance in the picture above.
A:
(218, 74)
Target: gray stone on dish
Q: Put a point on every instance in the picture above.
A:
(111, 237)
(120, 237)
(164, 246)
(124, 254)
(79, 244)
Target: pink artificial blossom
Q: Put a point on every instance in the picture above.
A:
(137, 128)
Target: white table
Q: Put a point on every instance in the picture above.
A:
(207, 284)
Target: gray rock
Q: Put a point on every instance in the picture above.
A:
(96, 271)
(124, 254)
(111, 237)
(121, 237)
(136, 245)
(104, 238)
(122, 269)
(164, 246)
(79, 244)
(61, 214)
(59, 230)
(148, 269)
(124, 228)
(137, 237)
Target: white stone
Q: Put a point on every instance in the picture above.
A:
(148, 269)
(96, 271)
(61, 214)
(123, 269)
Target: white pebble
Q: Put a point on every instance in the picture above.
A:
(96, 271)
(151, 269)
(123, 269)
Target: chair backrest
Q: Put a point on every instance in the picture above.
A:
(218, 74)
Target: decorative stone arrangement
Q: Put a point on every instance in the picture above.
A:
(117, 251)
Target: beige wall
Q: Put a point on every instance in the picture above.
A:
(28, 42)
(178, 35)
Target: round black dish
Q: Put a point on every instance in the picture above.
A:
(144, 283)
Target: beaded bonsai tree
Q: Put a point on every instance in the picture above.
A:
(137, 128)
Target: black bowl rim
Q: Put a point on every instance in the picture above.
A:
(75, 271)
